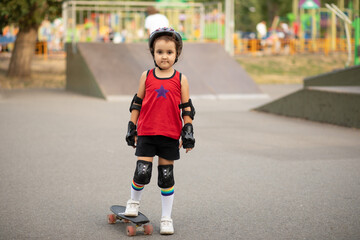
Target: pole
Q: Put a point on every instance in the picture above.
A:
(295, 7)
(65, 19)
(356, 25)
(347, 21)
(202, 23)
(333, 31)
(219, 34)
(229, 26)
(313, 29)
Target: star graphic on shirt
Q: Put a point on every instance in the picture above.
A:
(161, 92)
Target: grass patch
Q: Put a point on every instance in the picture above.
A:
(290, 69)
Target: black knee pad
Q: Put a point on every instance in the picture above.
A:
(143, 171)
(166, 176)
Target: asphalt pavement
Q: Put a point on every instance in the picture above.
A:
(64, 162)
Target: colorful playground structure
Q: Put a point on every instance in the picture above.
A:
(312, 30)
(103, 21)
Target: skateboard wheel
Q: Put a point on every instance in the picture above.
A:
(111, 218)
(148, 229)
(131, 231)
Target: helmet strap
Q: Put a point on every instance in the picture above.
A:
(157, 65)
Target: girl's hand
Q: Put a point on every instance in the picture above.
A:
(187, 149)
(131, 134)
(187, 137)
(136, 138)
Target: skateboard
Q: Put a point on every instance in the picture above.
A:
(141, 222)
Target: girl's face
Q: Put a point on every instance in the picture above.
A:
(164, 53)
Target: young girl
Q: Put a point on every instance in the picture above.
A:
(155, 126)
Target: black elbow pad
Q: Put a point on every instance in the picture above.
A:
(190, 113)
(138, 104)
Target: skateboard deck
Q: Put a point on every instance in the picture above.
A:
(140, 222)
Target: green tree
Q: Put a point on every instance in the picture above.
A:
(27, 15)
(250, 12)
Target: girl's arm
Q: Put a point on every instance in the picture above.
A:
(141, 94)
(187, 138)
(185, 96)
(131, 136)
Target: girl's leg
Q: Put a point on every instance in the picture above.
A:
(137, 188)
(163, 161)
(142, 176)
(166, 183)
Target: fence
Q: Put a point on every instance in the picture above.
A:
(256, 47)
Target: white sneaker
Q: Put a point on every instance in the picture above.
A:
(132, 208)
(166, 226)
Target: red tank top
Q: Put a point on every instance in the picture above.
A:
(160, 113)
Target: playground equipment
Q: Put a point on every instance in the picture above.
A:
(324, 25)
(346, 20)
(310, 21)
(103, 21)
(320, 32)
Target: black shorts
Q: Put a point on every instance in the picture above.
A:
(164, 147)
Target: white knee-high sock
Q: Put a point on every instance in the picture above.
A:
(136, 191)
(167, 199)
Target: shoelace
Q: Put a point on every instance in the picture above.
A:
(166, 222)
(133, 205)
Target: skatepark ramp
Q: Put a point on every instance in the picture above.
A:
(112, 71)
(332, 97)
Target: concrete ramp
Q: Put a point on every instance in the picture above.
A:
(112, 71)
(330, 98)
(211, 70)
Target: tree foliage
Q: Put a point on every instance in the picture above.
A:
(249, 12)
(28, 13)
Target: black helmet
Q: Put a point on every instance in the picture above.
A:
(165, 31)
